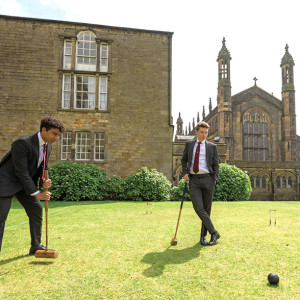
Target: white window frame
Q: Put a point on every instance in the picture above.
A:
(103, 57)
(99, 146)
(66, 145)
(90, 93)
(102, 93)
(67, 55)
(66, 91)
(87, 41)
(83, 146)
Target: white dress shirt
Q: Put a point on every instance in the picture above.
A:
(41, 155)
(203, 169)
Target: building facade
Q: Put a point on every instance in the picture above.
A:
(110, 86)
(257, 132)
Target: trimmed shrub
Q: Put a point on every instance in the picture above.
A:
(77, 181)
(177, 192)
(148, 185)
(234, 184)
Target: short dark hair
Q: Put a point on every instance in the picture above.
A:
(202, 124)
(51, 122)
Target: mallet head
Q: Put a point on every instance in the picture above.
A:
(174, 242)
(46, 254)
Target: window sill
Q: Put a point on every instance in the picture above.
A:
(83, 110)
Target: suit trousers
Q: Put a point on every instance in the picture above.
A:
(201, 190)
(34, 211)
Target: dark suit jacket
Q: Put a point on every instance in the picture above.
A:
(212, 158)
(18, 168)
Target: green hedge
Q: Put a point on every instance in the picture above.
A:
(85, 181)
(234, 185)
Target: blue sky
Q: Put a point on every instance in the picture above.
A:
(256, 33)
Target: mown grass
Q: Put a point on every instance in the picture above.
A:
(114, 250)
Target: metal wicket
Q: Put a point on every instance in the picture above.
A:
(149, 208)
(270, 213)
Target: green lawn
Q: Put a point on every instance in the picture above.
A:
(114, 250)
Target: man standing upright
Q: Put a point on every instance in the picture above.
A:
(19, 170)
(200, 166)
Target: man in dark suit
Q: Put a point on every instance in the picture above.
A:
(20, 169)
(200, 166)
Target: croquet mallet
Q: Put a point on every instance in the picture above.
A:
(174, 240)
(46, 253)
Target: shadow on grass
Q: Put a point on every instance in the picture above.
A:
(41, 263)
(158, 260)
(8, 260)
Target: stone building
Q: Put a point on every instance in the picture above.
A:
(110, 86)
(256, 130)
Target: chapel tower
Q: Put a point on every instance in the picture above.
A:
(289, 136)
(224, 99)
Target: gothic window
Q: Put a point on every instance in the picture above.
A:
(278, 182)
(223, 67)
(283, 182)
(258, 182)
(263, 182)
(255, 136)
(290, 182)
(85, 73)
(252, 181)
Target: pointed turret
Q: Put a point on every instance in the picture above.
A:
(179, 125)
(224, 99)
(287, 66)
(288, 110)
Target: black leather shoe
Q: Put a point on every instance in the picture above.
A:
(34, 249)
(214, 237)
(203, 241)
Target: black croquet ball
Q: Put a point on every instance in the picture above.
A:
(273, 278)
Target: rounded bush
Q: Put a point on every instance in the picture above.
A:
(148, 185)
(234, 184)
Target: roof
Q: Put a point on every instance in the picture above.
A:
(87, 24)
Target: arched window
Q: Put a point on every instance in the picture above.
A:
(86, 52)
(263, 182)
(255, 135)
(252, 181)
(258, 182)
(290, 182)
(283, 182)
(278, 185)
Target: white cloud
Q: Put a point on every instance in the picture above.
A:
(11, 8)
